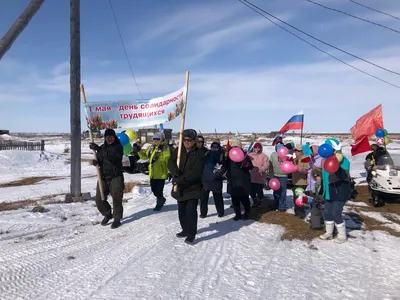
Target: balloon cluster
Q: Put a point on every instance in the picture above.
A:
(302, 199)
(287, 166)
(126, 138)
(382, 137)
(332, 158)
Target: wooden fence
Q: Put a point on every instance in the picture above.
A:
(21, 145)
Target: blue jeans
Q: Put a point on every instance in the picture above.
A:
(280, 195)
(333, 211)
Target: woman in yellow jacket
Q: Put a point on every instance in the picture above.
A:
(158, 154)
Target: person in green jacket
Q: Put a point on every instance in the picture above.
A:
(158, 154)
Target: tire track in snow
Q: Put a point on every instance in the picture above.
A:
(92, 247)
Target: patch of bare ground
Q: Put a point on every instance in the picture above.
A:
(28, 181)
(17, 204)
(130, 185)
(49, 199)
(296, 228)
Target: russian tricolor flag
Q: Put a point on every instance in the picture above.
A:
(295, 123)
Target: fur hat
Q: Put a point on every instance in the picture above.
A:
(236, 143)
(190, 133)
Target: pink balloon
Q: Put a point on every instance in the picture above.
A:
(282, 152)
(236, 154)
(274, 184)
(299, 202)
(288, 167)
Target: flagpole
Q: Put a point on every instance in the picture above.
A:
(301, 133)
(175, 188)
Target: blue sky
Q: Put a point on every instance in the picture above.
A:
(246, 74)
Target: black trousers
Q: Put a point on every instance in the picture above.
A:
(236, 200)
(157, 187)
(257, 190)
(115, 187)
(187, 211)
(218, 200)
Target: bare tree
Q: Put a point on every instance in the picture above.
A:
(19, 25)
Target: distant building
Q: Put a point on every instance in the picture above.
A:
(4, 131)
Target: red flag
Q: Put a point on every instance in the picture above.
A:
(360, 146)
(368, 124)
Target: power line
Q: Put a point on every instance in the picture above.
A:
(319, 40)
(316, 47)
(374, 9)
(352, 16)
(123, 46)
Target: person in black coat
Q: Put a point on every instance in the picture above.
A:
(187, 179)
(109, 158)
(239, 180)
(212, 180)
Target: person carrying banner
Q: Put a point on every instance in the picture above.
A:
(158, 154)
(188, 181)
(109, 158)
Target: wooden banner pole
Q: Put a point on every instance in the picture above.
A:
(100, 181)
(182, 125)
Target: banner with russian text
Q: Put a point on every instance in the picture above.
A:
(135, 113)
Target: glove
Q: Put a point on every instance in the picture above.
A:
(95, 163)
(94, 146)
(179, 180)
(169, 177)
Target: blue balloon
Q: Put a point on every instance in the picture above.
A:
(380, 133)
(123, 138)
(325, 150)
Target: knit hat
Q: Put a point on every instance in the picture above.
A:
(158, 136)
(109, 132)
(236, 143)
(215, 144)
(336, 144)
(190, 133)
(257, 145)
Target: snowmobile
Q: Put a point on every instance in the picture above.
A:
(384, 179)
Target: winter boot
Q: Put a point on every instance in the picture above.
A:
(106, 219)
(189, 240)
(341, 236)
(181, 234)
(328, 235)
(115, 224)
(160, 203)
(238, 213)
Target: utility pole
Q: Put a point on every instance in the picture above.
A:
(75, 100)
(19, 25)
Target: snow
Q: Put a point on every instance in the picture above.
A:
(64, 253)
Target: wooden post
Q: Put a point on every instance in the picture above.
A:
(100, 182)
(19, 25)
(42, 145)
(75, 101)
(182, 125)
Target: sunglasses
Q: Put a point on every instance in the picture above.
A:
(156, 139)
(188, 140)
(200, 141)
(257, 147)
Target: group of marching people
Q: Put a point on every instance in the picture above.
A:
(197, 171)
